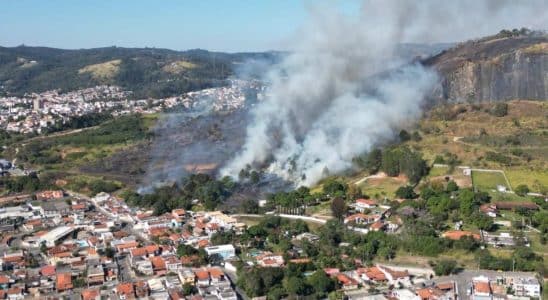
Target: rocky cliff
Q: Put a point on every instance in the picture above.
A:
(494, 69)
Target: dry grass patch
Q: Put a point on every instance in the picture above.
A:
(102, 71)
(179, 66)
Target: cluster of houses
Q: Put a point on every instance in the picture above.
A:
(368, 214)
(101, 248)
(504, 287)
(36, 111)
(381, 282)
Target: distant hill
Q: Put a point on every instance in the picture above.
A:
(149, 72)
(506, 66)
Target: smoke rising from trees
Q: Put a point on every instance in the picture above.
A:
(342, 90)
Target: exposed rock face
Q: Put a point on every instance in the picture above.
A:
(494, 69)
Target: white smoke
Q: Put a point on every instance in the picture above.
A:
(327, 102)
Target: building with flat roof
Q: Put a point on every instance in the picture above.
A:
(225, 251)
(56, 234)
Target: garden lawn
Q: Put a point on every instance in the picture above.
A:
(486, 181)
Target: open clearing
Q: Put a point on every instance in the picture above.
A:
(486, 181)
(102, 71)
(379, 186)
(470, 132)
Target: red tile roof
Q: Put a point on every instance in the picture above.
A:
(345, 280)
(64, 281)
(201, 274)
(216, 272)
(90, 294)
(482, 287)
(48, 271)
(366, 202)
(375, 274)
(158, 263)
(125, 288)
(458, 234)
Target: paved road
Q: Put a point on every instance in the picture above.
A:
(234, 278)
(125, 274)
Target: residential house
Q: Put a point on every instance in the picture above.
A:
(91, 294)
(458, 234)
(371, 274)
(225, 251)
(186, 276)
(489, 209)
(141, 289)
(95, 273)
(173, 264)
(362, 205)
(15, 293)
(360, 218)
(63, 282)
(526, 287)
(394, 276)
(125, 291)
(346, 281)
(481, 289)
(158, 265)
(202, 277)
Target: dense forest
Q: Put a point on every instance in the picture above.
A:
(148, 72)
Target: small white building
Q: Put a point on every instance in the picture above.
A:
(526, 287)
(362, 204)
(225, 251)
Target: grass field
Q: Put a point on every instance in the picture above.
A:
(522, 130)
(486, 181)
(534, 179)
(438, 171)
(379, 187)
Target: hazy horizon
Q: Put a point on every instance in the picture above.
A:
(227, 26)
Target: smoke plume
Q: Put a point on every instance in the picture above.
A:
(342, 89)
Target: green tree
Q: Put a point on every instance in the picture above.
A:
(483, 221)
(500, 109)
(406, 192)
(338, 208)
(334, 188)
(445, 267)
(186, 250)
(188, 289)
(43, 247)
(321, 283)
(452, 186)
(250, 206)
(374, 161)
(404, 136)
(109, 252)
(521, 190)
(295, 285)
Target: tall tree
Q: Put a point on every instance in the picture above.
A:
(338, 208)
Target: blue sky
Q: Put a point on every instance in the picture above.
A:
(236, 25)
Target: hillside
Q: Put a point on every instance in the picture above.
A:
(502, 67)
(149, 72)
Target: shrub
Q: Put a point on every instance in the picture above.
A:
(500, 110)
(521, 190)
(445, 267)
